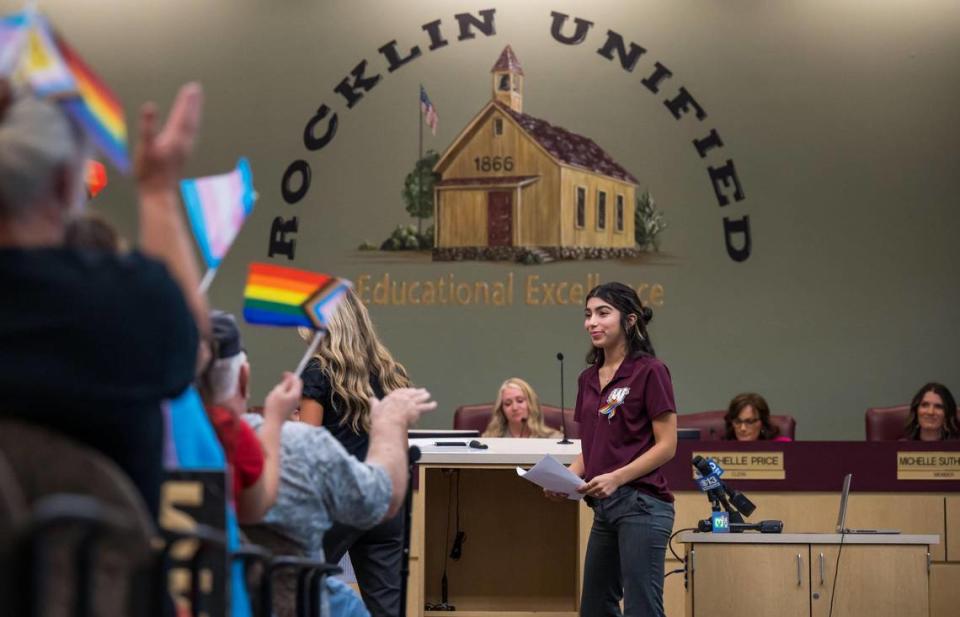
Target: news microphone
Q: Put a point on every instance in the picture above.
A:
(709, 480)
(708, 468)
(563, 411)
(523, 427)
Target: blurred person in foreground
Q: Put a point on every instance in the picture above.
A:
(92, 341)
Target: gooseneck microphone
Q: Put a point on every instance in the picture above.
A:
(563, 409)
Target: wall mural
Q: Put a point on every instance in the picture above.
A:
(512, 186)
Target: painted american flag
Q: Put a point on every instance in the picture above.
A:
(429, 111)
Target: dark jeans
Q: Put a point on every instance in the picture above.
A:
(625, 555)
(375, 555)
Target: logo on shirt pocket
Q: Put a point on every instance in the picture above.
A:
(616, 398)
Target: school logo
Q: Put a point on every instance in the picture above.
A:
(511, 186)
(614, 400)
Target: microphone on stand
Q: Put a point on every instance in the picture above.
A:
(524, 430)
(563, 414)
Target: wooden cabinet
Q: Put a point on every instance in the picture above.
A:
(749, 579)
(873, 580)
(793, 575)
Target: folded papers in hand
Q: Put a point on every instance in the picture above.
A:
(552, 475)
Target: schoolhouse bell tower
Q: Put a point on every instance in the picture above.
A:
(508, 80)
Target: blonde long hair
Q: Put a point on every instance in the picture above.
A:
(499, 427)
(349, 354)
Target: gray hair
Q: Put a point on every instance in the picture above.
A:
(36, 138)
(223, 377)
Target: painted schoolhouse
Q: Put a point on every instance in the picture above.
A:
(512, 180)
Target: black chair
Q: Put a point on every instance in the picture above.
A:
(290, 584)
(87, 541)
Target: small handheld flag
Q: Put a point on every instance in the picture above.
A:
(14, 31)
(286, 297)
(279, 296)
(217, 207)
(321, 305)
(97, 109)
(44, 66)
(54, 70)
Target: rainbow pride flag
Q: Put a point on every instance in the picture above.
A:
(217, 206)
(288, 297)
(97, 109)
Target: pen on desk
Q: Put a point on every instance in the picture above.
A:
(449, 443)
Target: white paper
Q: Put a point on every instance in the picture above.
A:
(552, 475)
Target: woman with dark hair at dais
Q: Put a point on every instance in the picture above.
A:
(748, 419)
(933, 415)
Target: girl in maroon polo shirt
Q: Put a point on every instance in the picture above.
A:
(628, 431)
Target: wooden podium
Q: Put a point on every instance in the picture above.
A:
(794, 575)
(521, 553)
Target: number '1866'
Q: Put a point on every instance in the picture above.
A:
(493, 163)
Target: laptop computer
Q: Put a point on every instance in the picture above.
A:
(842, 517)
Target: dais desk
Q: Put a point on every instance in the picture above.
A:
(524, 554)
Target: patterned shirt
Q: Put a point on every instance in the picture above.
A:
(320, 483)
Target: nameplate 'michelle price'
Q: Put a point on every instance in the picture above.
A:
(928, 465)
(748, 465)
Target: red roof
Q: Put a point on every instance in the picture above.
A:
(507, 62)
(568, 147)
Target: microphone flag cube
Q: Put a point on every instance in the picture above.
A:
(720, 522)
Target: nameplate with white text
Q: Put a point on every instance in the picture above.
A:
(749, 465)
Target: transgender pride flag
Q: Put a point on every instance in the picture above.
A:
(14, 30)
(217, 207)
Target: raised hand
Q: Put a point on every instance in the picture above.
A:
(160, 155)
(403, 405)
(283, 398)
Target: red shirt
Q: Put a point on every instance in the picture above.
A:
(241, 447)
(616, 424)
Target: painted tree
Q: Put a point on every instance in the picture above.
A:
(418, 189)
(648, 222)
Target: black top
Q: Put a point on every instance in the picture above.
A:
(90, 344)
(316, 385)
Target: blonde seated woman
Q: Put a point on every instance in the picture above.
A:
(517, 413)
